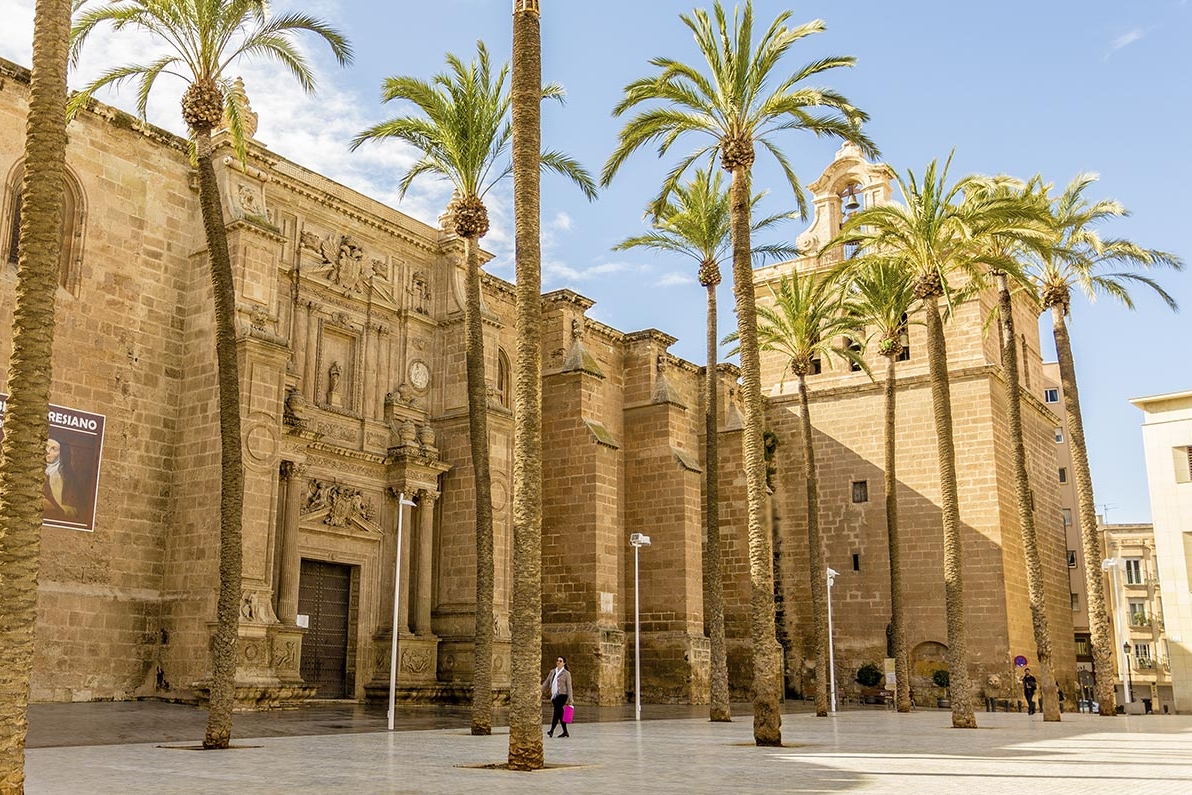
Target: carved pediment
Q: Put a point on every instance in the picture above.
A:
(335, 505)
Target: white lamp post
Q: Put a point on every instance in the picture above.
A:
(831, 641)
(637, 541)
(1113, 565)
(402, 502)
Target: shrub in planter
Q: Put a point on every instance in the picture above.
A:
(869, 675)
(943, 679)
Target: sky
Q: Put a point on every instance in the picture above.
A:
(1055, 87)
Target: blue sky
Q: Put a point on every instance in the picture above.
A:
(1056, 87)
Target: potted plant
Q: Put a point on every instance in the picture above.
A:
(942, 679)
(870, 678)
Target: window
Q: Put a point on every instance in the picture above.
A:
(855, 348)
(1026, 363)
(1063, 474)
(1134, 571)
(503, 391)
(1136, 609)
(1051, 395)
(860, 491)
(1067, 516)
(1059, 435)
(817, 366)
(1075, 602)
(856, 561)
(1083, 646)
(1071, 558)
(905, 339)
(1182, 459)
(72, 226)
(1142, 655)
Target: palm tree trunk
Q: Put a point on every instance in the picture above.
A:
(815, 557)
(22, 466)
(719, 709)
(767, 654)
(1099, 633)
(1026, 513)
(482, 677)
(941, 403)
(231, 491)
(525, 702)
(902, 673)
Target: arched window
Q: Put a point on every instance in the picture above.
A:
(504, 390)
(72, 226)
(851, 200)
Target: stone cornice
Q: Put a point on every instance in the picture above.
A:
(661, 337)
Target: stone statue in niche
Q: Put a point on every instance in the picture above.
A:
(577, 328)
(333, 396)
(420, 294)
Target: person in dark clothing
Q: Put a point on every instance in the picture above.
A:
(1029, 686)
(558, 684)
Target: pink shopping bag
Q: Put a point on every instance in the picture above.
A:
(568, 713)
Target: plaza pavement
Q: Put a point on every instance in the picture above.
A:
(672, 750)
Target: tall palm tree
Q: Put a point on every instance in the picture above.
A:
(805, 324)
(739, 102)
(882, 298)
(1081, 259)
(464, 134)
(940, 235)
(22, 464)
(525, 700)
(203, 38)
(1012, 247)
(696, 224)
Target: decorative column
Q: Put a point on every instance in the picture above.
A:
(308, 364)
(369, 407)
(287, 547)
(426, 525)
(403, 611)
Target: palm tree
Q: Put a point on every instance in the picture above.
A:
(22, 465)
(940, 234)
(805, 324)
(525, 700)
(1081, 259)
(204, 37)
(1013, 248)
(696, 224)
(463, 134)
(741, 101)
(881, 299)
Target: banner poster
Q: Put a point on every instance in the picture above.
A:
(73, 454)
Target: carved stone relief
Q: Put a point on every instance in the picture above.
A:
(343, 504)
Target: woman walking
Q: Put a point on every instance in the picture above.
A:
(558, 682)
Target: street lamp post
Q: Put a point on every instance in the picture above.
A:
(831, 641)
(1129, 681)
(402, 502)
(637, 541)
(1113, 565)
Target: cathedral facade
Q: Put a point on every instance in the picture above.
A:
(357, 464)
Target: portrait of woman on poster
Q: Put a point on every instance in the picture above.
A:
(62, 490)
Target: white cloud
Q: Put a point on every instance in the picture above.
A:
(16, 34)
(674, 279)
(1125, 40)
(561, 222)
